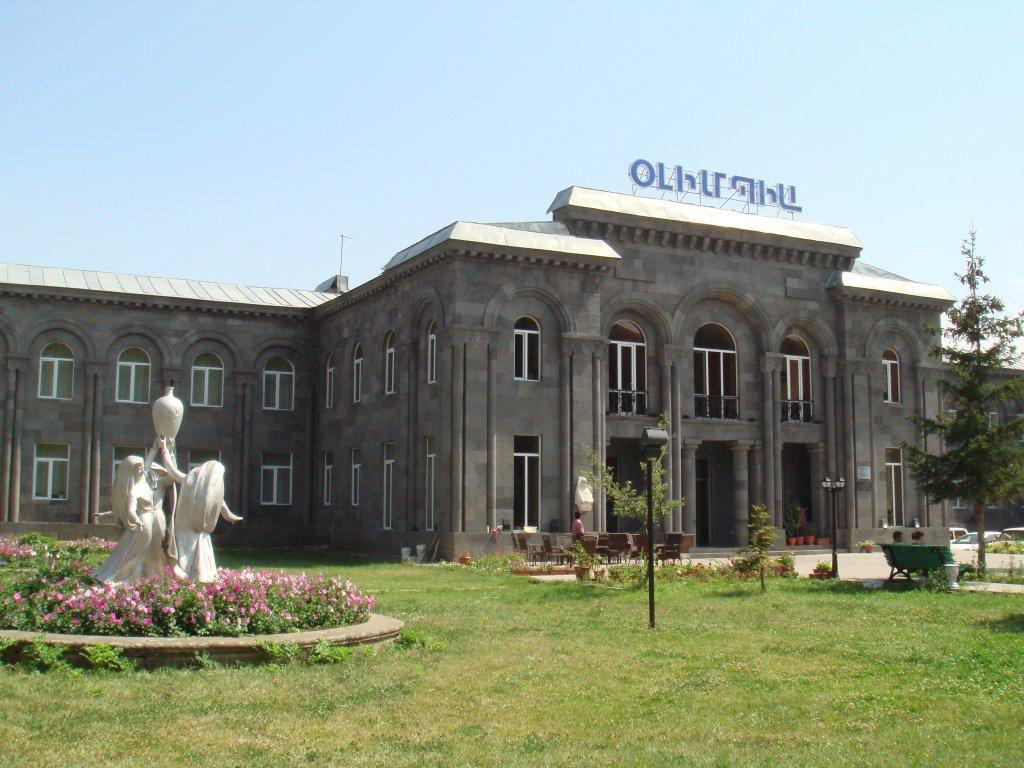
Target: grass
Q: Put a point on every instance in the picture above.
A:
(505, 671)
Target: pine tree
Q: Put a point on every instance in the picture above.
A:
(980, 461)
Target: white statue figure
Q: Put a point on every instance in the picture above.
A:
(584, 495)
(143, 488)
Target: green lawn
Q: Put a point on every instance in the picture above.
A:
(561, 674)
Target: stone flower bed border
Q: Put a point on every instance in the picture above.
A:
(153, 652)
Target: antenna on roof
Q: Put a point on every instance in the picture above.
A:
(341, 256)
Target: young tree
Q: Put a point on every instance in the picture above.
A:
(980, 461)
(762, 536)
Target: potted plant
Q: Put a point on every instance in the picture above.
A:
(823, 570)
(582, 561)
(464, 558)
(791, 523)
(809, 537)
(866, 546)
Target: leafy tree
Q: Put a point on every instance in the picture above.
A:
(761, 538)
(980, 461)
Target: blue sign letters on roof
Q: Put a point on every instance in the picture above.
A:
(714, 184)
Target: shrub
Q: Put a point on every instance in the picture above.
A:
(43, 657)
(38, 540)
(823, 570)
(411, 638)
(278, 653)
(324, 652)
(1007, 547)
(495, 563)
(107, 658)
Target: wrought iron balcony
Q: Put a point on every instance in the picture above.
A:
(798, 410)
(627, 402)
(716, 406)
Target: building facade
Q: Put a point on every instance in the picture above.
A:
(466, 387)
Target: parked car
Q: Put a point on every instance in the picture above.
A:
(969, 541)
(1017, 534)
(956, 533)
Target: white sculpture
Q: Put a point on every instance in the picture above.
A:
(155, 540)
(584, 495)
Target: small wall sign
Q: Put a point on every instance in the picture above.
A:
(863, 472)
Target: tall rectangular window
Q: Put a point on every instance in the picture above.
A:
(526, 481)
(329, 384)
(357, 379)
(389, 366)
(278, 385)
(122, 452)
(199, 456)
(207, 381)
(429, 484)
(276, 479)
(894, 486)
(356, 476)
(50, 481)
(388, 484)
(328, 478)
(432, 355)
(56, 372)
(133, 374)
(527, 350)
(891, 366)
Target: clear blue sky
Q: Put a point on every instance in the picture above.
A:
(235, 141)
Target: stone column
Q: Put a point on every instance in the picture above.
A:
(12, 384)
(492, 435)
(413, 441)
(20, 372)
(780, 502)
(85, 469)
(458, 437)
(245, 388)
(740, 493)
(597, 383)
(676, 435)
(666, 409)
(689, 451)
(769, 428)
(757, 474)
(818, 500)
(849, 443)
(829, 382)
(98, 376)
(565, 438)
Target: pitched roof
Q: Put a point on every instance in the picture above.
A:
(166, 287)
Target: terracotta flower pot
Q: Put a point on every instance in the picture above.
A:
(810, 540)
(867, 549)
(798, 541)
(464, 559)
(823, 542)
(791, 541)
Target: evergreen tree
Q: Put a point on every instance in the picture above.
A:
(980, 461)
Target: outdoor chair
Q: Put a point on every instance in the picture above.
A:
(602, 546)
(530, 552)
(639, 545)
(552, 551)
(619, 546)
(671, 547)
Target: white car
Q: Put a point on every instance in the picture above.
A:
(956, 533)
(1017, 534)
(969, 541)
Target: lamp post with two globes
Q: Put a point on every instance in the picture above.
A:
(833, 486)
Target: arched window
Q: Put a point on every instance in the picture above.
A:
(714, 373)
(208, 381)
(329, 383)
(432, 353)
(357, 373)
(891, 362)
(627, 370)
(278, 385)
(389, 364)
(133, 368)
(797, 401)
(56, 371)
(527, 350)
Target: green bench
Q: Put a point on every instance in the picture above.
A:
(904, 558)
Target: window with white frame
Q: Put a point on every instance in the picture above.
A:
(432, 353)
(199, 456)
(894, 486)
(526, 481)
(133, 370)
(388, 484)
(122, 452)
(355, 476)
(56, 372)
(278, 385)
(208, 381)
(429, 491)
(328, 478)
(527, 350)
(276, 479)
(329, 383)
(627, 370)
(796, 381)
(50, 481)
(357, 373)
(891, 386)
(389, 364)
(714, 373)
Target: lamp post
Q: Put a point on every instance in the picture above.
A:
(833, 487)
(652, 441)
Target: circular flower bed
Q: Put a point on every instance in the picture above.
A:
(59, 595)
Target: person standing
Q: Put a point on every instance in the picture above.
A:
(578, 531)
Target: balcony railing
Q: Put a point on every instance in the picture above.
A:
(627, 402)
(716, 406)
(798, 410)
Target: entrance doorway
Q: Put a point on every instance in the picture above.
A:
(796, 481)
(703, 502)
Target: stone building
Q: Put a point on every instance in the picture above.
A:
(464, 387)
